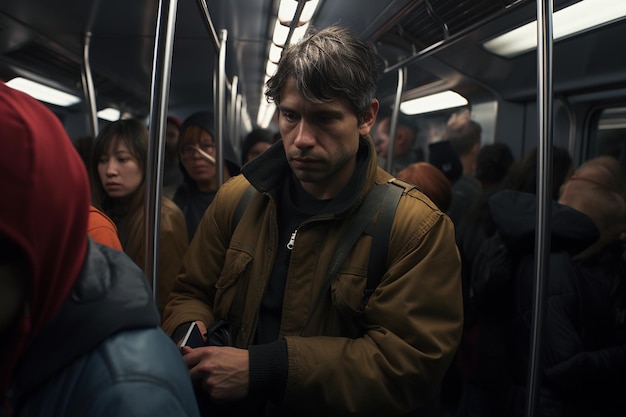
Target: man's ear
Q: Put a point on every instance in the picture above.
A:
(368, 117)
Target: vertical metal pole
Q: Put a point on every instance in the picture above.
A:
(220, 107)
(393, 128)
(232, 111)
(88, 88)
(544, 198)
(161, 71)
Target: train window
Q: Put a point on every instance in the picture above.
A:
(608, 134)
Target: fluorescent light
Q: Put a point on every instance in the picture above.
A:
(43, 92)
(275, 53)
(309, 9)
(287, 10)
(109, 114)
(266, 112)
(270, 68)
(280, 33)
(298, 33)
(439, 101)
(581, 16)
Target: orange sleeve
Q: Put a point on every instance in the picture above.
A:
(102, 229)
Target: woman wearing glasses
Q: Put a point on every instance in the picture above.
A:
(118, 171)
(196, 147)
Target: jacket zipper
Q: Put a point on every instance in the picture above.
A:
(292, 240)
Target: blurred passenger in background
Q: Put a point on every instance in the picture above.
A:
(465, 135)
(79, 331)
(118, 174)
(484, 357)
(403, 151)
(475, 375)
(443, 155)
(583, 361)
(523, 175)
(257, 141)
(431, 181)
(196, 149)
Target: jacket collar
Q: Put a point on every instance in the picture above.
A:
(268, 171)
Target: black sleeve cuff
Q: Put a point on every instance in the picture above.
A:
(268, 370)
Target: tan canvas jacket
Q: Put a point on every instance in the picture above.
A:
(384, 360)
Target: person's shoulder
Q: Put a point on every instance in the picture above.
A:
(169, 207)
(416, 211)
(126, 358)
(102, 229)
(146, 357)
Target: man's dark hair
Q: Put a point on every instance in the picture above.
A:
(328, 65)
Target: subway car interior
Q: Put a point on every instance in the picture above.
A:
(439, 45)
(147, 58)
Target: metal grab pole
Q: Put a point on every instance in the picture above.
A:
(544, 199)
(232, 114)
(88, 88)
(394, 119)
(161, 71)
(220, 106)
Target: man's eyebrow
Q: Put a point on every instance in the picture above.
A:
(284, 108)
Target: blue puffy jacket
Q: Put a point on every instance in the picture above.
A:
(103, 353)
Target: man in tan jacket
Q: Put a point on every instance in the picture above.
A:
(302, 345)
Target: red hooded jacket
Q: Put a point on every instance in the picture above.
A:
(44, 209)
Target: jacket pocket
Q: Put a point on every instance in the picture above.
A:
(235, 266)
(347, 293)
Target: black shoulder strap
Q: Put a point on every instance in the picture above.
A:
(384, 198)
(380, 232)
(243, 204)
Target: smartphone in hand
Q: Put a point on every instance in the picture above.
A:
(193, 337)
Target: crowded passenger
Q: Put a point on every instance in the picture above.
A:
(484, 357)
(583, 360)
(523, 175)
(442, 155)
(79, 331)
(404, 152)
(303, 343)
(257, 141)
(118, 172)
(196, 149)
(465, 135)
(431, 180)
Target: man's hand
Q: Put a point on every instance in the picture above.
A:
(224, 371)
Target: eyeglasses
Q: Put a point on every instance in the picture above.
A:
(190, 150)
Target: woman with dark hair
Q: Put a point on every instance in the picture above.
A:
(118, 170)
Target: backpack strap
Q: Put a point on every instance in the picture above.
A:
(243, 205)
(381, 198)
(380, 231)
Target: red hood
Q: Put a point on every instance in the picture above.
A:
(44, 209)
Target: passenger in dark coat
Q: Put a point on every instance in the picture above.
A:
(79, 331)
(584, 354)
(196, 147)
